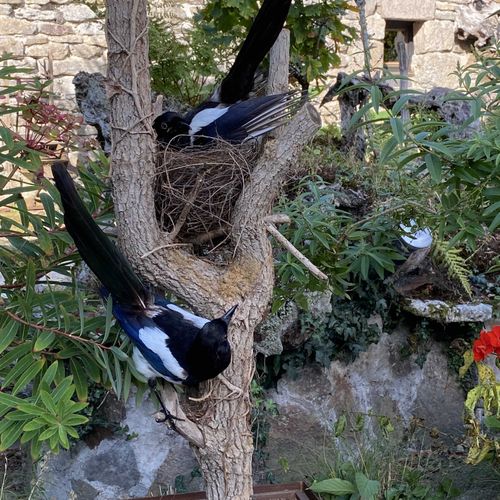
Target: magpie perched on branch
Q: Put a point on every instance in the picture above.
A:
(169, 342)
(227, 114)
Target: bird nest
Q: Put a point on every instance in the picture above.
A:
(196, 189)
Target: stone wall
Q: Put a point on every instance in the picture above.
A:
(57, 38)
(436, 51)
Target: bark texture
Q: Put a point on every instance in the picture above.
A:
(221, 433)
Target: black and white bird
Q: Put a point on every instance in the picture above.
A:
(228, 113)
(169, 342)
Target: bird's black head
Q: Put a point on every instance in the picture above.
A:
(168, 125)
(216, 330)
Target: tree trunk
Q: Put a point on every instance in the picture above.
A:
(217, 425)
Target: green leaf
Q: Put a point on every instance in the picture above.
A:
(48, 433)
(367, 488)
(496, 222)
(28, 375)
(48, 205)
(75, 420)
(397, 129)
(80, 379)
(34, 425)
(340, 425)
(7, 334)
(63, 437)
(50, 373)
(119, 353)
(492, 422)
(44, 339)
(335, 486)
(10, 436)
(48, 401)
(468, 360)
(434, 166)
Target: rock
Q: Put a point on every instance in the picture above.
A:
(477, 21)
(379, 381)
(90, 93)
(14, 46)
(9, 26)
(58, 51)
(77, 12)
(122, 467)
(35, 14)
(282, 330)
(434, 36)
(53, 29)
(91, 29)
(449, 313)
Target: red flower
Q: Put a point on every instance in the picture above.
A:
(487, 343)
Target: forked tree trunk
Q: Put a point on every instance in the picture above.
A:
(222, 438)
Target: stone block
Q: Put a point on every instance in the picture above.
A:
(407, 11)
(12, 2)
(35, 40)
(90, 29)
(72, 65)
(435, 69)
(36, 2)
(377, 54)
(35, 14)
(445, 6)
(86, 51)
(370, 7)
(53, 29)
(446, 15)
(77, 13)
(12, 45)
(56, 50)
(5, 10)
(16, 27)
(63, 88)
(434, 36)
(99, 40)
(376, 27)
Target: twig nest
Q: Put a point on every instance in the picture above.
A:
(197, 187)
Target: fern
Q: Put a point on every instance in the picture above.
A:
(454, 263)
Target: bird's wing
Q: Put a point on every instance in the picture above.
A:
(205, 117)
(254, 117)
(96, 249)
(260, 38)
(154, 342)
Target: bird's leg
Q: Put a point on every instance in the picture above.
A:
(168, 416)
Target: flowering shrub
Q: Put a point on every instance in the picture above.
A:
(48, 130)
(488, 343)
(483, 426)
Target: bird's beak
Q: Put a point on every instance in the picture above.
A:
(229, 314)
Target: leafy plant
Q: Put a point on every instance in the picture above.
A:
(316, 31)
(458, 166)
(366, 459)
(350, 251)
(55, 339)
(483, 433)
(454, 263)
(183, 67)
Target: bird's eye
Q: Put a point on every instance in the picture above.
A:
(164, 126)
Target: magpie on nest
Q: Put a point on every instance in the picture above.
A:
(196, 189)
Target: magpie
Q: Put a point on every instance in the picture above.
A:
(224, 115)
(169, 342)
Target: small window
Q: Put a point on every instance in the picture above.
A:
(405, 31)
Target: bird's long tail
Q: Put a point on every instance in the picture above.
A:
(96, 249)
(262, 34)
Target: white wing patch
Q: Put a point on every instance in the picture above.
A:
(154, 339)
(143, 367)
(197, 321)
(205, 117)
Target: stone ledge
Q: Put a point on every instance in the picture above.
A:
(450, 313)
